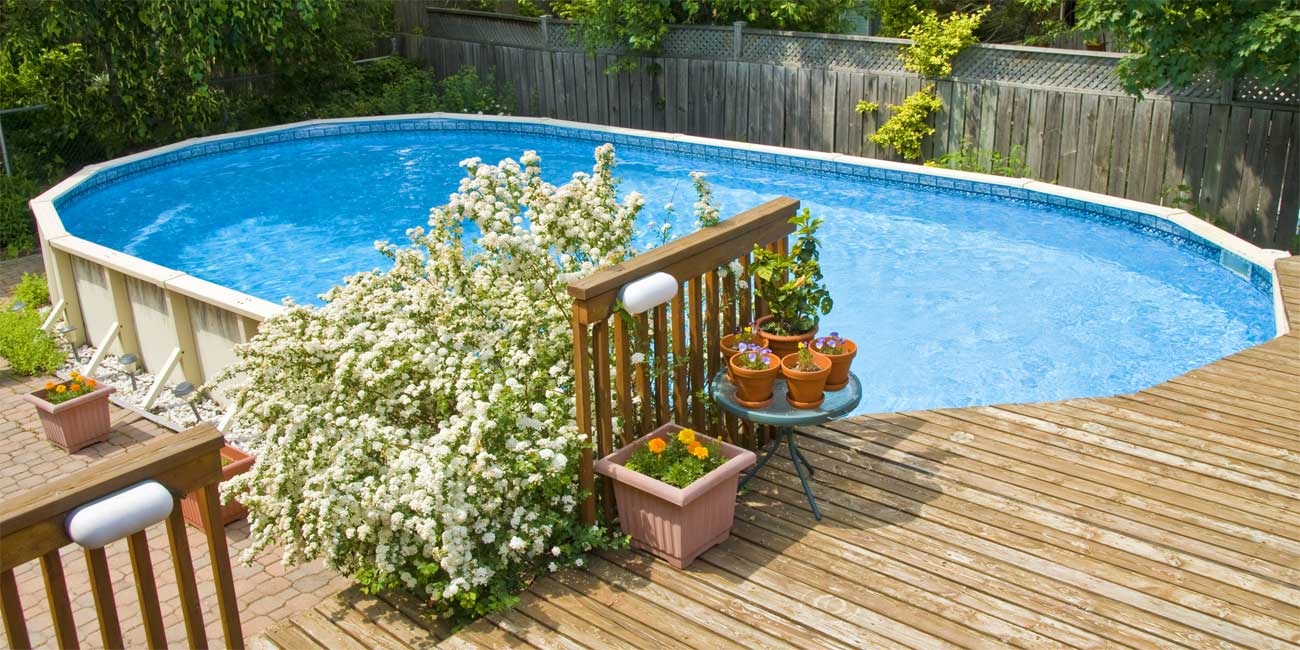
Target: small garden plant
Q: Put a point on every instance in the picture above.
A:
(678, 461)
(28, 349)
(752, 357)
(805, 362)
(792, 283)
(831, 345)
(56, 393)
(985, 161)
(746, 335)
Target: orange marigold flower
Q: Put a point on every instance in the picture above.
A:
(90, 383)
(701, 452)
(686, 436)
(693, 444)
(49, 385)
(75, 387)
(60, 388)
(657, 445)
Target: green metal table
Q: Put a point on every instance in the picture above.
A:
(785, 418)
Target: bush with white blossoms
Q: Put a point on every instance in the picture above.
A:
(418, 429)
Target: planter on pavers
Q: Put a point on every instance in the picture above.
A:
(234, 463)
(76, 423)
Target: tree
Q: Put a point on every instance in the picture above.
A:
(1173, 41)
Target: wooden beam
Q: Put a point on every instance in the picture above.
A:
(179, 306)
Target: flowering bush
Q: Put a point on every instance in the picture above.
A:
(418, 429)
(76, 387)
(678, 461)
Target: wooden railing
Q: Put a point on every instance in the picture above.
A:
(678, 342)
(32, 527)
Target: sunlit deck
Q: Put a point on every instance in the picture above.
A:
(1165, 518)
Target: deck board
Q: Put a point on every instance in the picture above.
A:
(1165, 518)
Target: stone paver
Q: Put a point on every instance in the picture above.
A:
(11, 271)
(267, 592)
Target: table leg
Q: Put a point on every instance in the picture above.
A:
(771, 451)
(795, 452)
(795, 457)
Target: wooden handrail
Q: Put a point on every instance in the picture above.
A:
(676, 344)
(32, 526)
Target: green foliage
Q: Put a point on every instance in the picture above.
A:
(1180, 197)
(466, 92)
(985, 161)
(639, 26)
(32, 290)
(28, 349)
(797, 302)
(1175, 40)
(936, 41)
(676, 460)
(898, 16)
(865, 106)
(907, 125)
(17, 236)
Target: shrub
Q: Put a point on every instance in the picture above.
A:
(985, 161)
(32, 290)
(418, 429)
(28, 349)
(935, 42)
(907, 126)
(466, 92)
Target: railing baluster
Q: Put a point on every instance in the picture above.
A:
(642, 371)
(183, 567)
(604, 425)
(697, 352)
(56, 591)
(215, 531)
(681, 389)
(15, 624)
(101, 588)
(582, 395)
(146, 590)
(661, 363)
(623, 380)
(712, 322)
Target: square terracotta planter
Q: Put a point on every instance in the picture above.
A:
(236, 462)
(676, 524)
(76, 423)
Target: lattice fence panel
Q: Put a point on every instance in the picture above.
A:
(696, 42)
(1251, 90)
(817, 52)
(514, 33)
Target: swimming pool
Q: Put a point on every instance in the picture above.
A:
(958, 292)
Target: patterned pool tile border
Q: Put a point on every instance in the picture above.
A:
(1258, 277)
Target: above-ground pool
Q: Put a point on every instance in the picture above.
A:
(956, 297)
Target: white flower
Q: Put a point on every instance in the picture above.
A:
(637, 358)
(517, 543)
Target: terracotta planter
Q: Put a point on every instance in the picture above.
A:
(236, 462)
(676, 524)
(839, 377)
(730, 347)
(76, 423)
(783, 345)
(754, 387)
(805, 389)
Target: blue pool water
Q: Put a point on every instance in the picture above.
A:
(954, 298)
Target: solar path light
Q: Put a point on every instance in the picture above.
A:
(128, 363)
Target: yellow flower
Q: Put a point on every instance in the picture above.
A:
(60, 388)
(657, 445)
(75, 375)
(701, 452)
(801, 345)
(749, 330)
(686, 436)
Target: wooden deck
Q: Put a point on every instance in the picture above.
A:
(1168, 518)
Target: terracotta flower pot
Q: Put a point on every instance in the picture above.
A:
(730, 347)
(783, 345)
(676, 524)
(76, 423)
(754, 387)
(839, 377)
(236, 462)
(804, 388)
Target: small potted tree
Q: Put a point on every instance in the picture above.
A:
(233, 463)
(676, 491)
(74, 413)
(791, 285)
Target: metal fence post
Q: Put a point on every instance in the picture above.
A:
(737, 39)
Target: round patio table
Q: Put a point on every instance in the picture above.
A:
(785, 418)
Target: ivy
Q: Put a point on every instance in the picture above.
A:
(907, 126)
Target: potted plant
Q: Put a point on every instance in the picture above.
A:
(676, 491)
(805, 377)
(74, 413)
(841, 352)
(731, 343)
(234, 462)
(791, 285)
(753, 370)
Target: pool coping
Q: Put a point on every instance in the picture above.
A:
(1235, 253)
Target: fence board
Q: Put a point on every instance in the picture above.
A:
(1157, 149)
(1211, 186)
(1138, 142)
(1102, 145)
(1275, 163)
(1246, 205)
(1119, 151)
(1052, 120)
(1235, 142)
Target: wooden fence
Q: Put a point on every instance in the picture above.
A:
(32, 527)
(1063, 109)
(678, 340)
